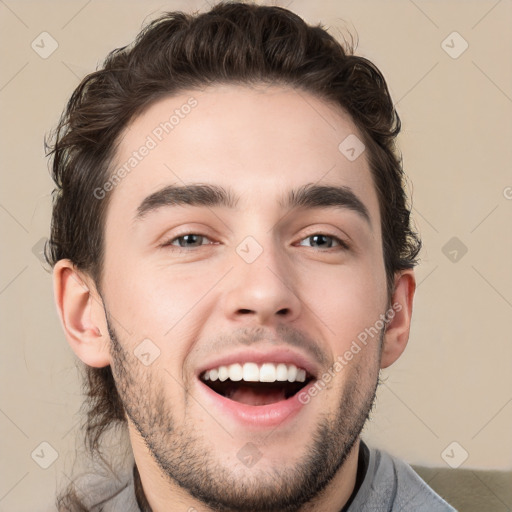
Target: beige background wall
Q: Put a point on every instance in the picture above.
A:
(454, 382)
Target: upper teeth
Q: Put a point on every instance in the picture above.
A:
(251, 372)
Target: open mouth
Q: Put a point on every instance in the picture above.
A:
(251, 384)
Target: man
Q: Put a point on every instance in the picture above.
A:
(233, 264)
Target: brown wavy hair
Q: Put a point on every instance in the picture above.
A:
(235, 43)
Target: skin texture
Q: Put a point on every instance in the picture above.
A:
(202, 299)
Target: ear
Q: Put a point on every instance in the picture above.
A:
(397, 332)
(81, 313)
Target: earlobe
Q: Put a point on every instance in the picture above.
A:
(81, 313)
(397, 332)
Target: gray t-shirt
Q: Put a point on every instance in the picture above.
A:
(391, 485)
(387, 485)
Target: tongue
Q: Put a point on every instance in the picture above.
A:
(249, 396)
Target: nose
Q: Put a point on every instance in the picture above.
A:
(262, 292)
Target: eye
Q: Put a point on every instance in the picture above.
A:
(325, 241)
(191, 240)
(195, 240)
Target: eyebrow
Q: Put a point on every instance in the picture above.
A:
(307, 196)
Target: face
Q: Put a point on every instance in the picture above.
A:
(230, 302)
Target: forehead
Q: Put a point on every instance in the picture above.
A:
(258, 141)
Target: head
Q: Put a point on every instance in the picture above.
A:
(229, 191)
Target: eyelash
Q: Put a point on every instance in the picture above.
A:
(342, 244)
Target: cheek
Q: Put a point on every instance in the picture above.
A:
(165, 305)
(346, 300)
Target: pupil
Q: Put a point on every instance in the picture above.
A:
(321, 237)
(187, 238)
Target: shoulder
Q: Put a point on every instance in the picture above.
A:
(391, 484)
(100, 489)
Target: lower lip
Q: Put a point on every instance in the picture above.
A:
(270, 415)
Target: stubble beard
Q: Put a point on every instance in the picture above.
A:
(189, 461)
